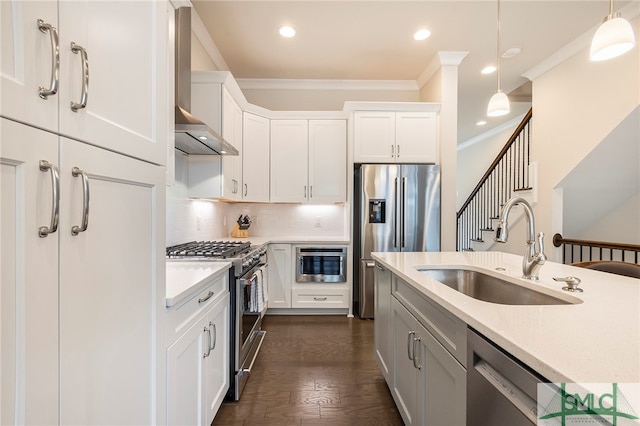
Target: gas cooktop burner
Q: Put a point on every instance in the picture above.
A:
(211, 249)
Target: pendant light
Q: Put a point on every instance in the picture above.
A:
(499, 102)
(613, 38)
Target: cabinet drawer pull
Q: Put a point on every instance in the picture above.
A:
(43, 92)
(43, 231)
(319, 298)
(416, 340)
(208, 331)
(393, 154)
(246, 189)
(207, 297)
(75, 230)
(75, 106)
(311, 191)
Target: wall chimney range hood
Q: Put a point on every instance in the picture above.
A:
(193, 136)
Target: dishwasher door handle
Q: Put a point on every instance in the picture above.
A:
(526, 405)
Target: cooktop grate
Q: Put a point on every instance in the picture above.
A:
(214, 249)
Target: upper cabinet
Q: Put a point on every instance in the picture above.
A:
(308, 161)
(395, 137)
(255, 158)
(92, 71)
(232, 132)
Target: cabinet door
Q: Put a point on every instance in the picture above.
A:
(217, 374)
(125, 42)
(405, 374)
(255, 158)
(111, 289)
(416, 139)
(185, 381)
(279, 271)
(374, 136)
(28, 278)
(327, 161)
(289, 153)
(27, 62)
(443, 385)
(382, 314)
(232, 132)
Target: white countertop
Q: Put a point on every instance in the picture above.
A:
(258, 241)
(187, 278)
(596, 341)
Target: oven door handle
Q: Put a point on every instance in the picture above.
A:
(252, 274)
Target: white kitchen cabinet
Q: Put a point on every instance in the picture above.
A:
(232, 131)
(198, 360)
(255, 158)
(320, 296)
(280, 269)
(382, 314)
(97, 93)
(111, 289)
(29, 283)
(308, 161)
(395, 137)
(428, 384)
(95, 296)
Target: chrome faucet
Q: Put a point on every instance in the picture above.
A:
(531, 261)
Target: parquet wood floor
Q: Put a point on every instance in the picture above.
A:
(311, 371)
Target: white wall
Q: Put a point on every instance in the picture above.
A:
(622, 225)
(575, 106)
(474, 158)
(183, 213)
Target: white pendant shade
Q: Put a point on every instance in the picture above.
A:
(498, 105)
(613, 38)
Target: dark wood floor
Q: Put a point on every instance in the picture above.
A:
(314, 370)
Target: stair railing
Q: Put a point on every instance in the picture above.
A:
(508, 174)
(587, 251)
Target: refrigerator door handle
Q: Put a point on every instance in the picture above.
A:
(403, 207)
(397, 212)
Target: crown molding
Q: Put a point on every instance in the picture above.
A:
(312, 84)
(440, 60)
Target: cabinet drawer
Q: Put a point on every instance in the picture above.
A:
(320, 298)
(449, 330)
(184, 315)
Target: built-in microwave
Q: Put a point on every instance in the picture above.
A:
(321, 264)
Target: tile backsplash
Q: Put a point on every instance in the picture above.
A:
(190, 219)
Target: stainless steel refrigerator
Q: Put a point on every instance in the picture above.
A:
(397, 208)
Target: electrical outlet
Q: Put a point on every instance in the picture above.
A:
(198, 223)
(318, 222)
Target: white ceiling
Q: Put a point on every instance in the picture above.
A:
(372, 40)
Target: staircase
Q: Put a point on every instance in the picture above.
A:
(508, 175)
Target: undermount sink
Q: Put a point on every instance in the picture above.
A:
(491, 289)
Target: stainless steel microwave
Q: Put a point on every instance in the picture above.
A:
(321, 264)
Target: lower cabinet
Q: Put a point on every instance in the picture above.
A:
(428, 385)
(320, 296)
(279, 283)
(198, 360)
(382, 323)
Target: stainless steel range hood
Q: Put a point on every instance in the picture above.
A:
(193, 136)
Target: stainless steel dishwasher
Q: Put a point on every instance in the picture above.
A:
(500, 389)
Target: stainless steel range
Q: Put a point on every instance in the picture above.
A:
(248, 278)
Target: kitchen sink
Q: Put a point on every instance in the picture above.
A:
(491, 289)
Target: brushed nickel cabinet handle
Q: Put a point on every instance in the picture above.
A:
(208, 352)
(409, 339)
(246, 189)
(311, 191)
(43, 231)
(75, 106)
(44, 27)
(320, 298)
(393, 153)
(75, 230)
(207, 297)
(215, 335)
(416, 340)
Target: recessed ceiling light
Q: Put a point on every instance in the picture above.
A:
(488, 69)
(481, 123)
(287, 31)
(202, 138)
(422, 34)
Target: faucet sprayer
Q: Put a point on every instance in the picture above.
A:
(532, 260)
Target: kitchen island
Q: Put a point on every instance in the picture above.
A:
(596, 340)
